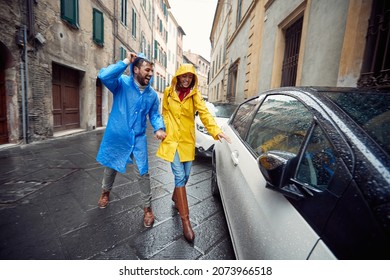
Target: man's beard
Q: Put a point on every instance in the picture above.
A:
(143, 81)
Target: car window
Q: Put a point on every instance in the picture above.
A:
(243, 117)
(224, 110)
(370, 110)
(318, 163)
(221, 110)
(281, 123)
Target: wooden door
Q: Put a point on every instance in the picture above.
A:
(66, 104)
(3, 110)
(99, 100)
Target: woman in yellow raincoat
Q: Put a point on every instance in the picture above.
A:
(181, 100)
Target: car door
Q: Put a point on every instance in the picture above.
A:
(323, 176)
(263, 223)
(234, 190)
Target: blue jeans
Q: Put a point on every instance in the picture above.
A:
(181, 171)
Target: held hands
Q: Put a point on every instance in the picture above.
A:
(160, 134)
(224, 136)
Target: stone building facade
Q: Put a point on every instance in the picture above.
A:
(50, 55)
(263, 44)
(53, 60)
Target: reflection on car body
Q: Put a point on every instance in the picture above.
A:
(307, 175)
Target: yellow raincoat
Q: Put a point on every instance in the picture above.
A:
(179, 119)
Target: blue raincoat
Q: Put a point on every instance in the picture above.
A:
(125, 133)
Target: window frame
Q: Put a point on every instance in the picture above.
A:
(99, 40)
(258, 100)
(124, 12)
(122, 53)
(133, 23)
(311, 132)
(239, 13)
(73, 18)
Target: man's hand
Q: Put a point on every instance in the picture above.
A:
(160, 134)
(131, 56)
(224, 136)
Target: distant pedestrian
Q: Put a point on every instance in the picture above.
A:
(181, 100)
(124, 140)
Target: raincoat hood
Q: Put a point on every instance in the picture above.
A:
(185, 68)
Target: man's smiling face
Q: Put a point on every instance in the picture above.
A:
(143, 73)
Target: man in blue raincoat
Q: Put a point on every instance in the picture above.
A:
(124, 140)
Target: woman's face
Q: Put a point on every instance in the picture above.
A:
(185, 80)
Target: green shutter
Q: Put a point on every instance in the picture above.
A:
(70, 12)
(134, 24)
(123, 53)
(98, 27)
(124, 12)
(155, 49)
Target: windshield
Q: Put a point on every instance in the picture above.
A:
(221, 110)
(370, 110)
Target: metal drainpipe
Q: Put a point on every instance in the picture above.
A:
(24, 81)
(23, 99)
(115, 30)
(27, 82)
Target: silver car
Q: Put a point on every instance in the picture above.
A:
(307, 175)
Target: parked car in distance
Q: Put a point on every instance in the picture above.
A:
(307, 175)
(204, 143)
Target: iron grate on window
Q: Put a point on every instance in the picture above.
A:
(376, 64)
(291, 53)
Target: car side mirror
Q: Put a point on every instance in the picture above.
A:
(277, 168)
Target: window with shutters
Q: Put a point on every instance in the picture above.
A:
(124, 12)
(134, 24)
(70, 12)
(98, 27)
(122, 53)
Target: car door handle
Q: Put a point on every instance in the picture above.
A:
(234, 156)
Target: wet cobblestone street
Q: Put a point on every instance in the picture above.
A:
(48, 207)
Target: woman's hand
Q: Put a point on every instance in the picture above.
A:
(224, 136)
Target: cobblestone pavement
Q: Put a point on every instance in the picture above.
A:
(48, 207)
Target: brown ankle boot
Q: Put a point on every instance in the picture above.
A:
(148, 217)
(174, 198)
(182, 206)
(103, 201)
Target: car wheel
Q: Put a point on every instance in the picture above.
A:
(214, 183)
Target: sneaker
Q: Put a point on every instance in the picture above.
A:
(148, 217)
(103, 201)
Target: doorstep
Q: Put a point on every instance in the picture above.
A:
(67, 132)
